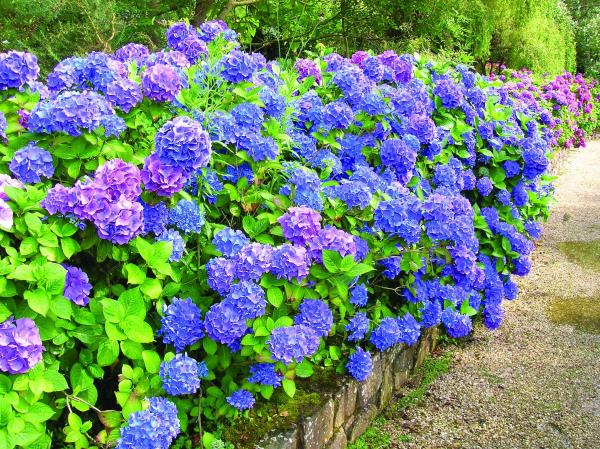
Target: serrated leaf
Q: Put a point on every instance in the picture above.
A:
(275, 297)
(304, 369)
(137, 330)
(108, 351)
(289, 386)
(151, 361)
(332, 261)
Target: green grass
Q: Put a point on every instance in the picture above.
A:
(375, 437)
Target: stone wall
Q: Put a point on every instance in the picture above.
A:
(347, 412)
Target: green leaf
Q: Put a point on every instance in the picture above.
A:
(335, 352)
(108, 351)
(113, 310)
(69, 247)
(34, 224)
(332, 261)
(289, 386)
(38, 301)
(275, 297)
(210, 346)
(6, 412)
(151, 361)
(134, 303)
(39, 412)
(137, 330)
(28, 434)
(54, 381)
(152, 288)
(304, 369)
(359, 269)
(135, 275)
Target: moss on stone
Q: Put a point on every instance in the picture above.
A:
(586, 254)
(582, 313)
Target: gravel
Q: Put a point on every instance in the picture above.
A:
(533, 383)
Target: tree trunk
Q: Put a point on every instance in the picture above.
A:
(200, 12)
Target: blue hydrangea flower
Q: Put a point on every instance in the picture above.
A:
(238, 66)
(386, 335)
(332, 239)
(265, 374)
(456, 324)
(252, 261)
(410, 330)
(432, 314)
(221, 273)
(338, 115)
(290, 262)
(77, 286)
(20, 345)
(171, 235)
(155, 218)
(359, 295)
(31, 163)
(493, 316)
(248, 115)
(229, 242)
(180, 375)
(17, 69)
(292, 344)
(484, 186)
(3, 125)
(153, 428)
(248, 298)
(358, 327)
(241, 399)
(181, 324)
(315, 314)
(187, 216)
(401, 216)
(353, 193)
(273, 101)
(124, 93)
(225, 323)
(360, 364)
(392, 266)
(234, 173)
(161, 82)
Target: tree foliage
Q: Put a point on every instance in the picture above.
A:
(538, 34)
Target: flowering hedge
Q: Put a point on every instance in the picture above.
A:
(200, 217)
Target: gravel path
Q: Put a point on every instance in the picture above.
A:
(533, 383)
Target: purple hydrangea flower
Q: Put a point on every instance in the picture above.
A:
(253, 261)
(124, 94)
(289, 344)
(6, 215)
(225, 323)
(183, 143)
(229, 242)
(17, 69)
(238, 66)
(20, 345)
(221, 273)
(180, 375)
(290, 262)
(358, 327)
(31, 163)
(174, 237)
(265, 374)
(248, 298)
(300, 224)
(360, 364)
(400, 216)
(161, 82)
(187, 216)
(332, 239)
(241, 399)
(162, 178)
(315, 314)
(181, 324)
(77, 286)
(3, 126)
(153, 428)
(306, 68)
(132, 52)
(484, 186)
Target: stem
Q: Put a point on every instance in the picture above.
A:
(200, 416)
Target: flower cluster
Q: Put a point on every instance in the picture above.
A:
(20, 345)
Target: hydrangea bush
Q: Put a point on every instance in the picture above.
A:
(186, 231)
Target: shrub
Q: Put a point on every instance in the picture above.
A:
(243, 224)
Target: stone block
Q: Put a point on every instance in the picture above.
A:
(386, 390)
(403, 366)
(361, 422)
(369, 389)
(281, 440)
(318, 428)
(338, 441)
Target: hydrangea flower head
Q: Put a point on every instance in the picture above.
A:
(229, 242)
(386, 335)
(187, 216)
(77, 286)
(161, 82)
(359, 295)
(332, 239)
(360, 364)
(156, 218)
(410, 330)
(289, 344)
(315, 314)
(174, 237)
(265, 374)
(17, 69)
(225, 323)
(241, 399)
(248, 298)
(180, 375)
(238, 66)
(253, 260)
(290, 262)
(181, 324)
(20, 345)
(153, 428)
(300, 224)
(221, 273)
(456, 324)
(183, 143)
(31, 163)
(358, 327)
(162, 178)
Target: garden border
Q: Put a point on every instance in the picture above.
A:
(344, 415)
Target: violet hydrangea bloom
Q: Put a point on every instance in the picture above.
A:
(132, 52)
(153, 428)
(306, 68)
(20, 345)
(124, 93)
(3, 126)
(248, 298)
(162, 178)
(290, 262)
(253, 260)
(300, 224)
(77, 286)
(161, 82)
(400, 216)
(289, 344)
(360, 364)
(315, 314)
(17, 69)
(237, 66)
(241, 399)
(229, 242)
(221, 273)
(332, 239)
(6, 215)
(31, 163)
(181, 324)
(180, 375)
(155, 218)
(183, 143)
